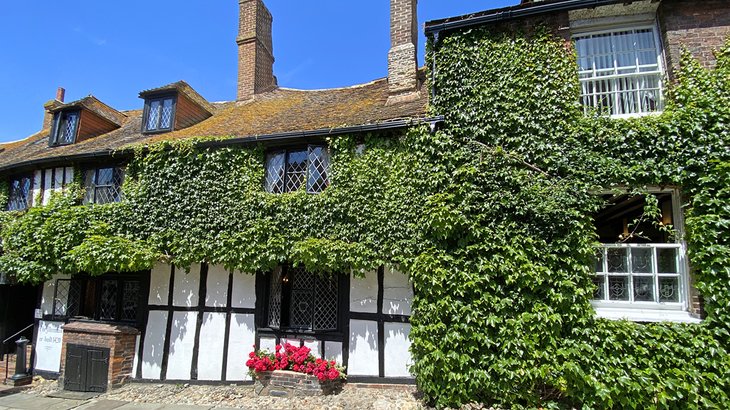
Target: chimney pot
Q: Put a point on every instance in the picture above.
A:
(60, 94)
(255, 50)
(402, 57)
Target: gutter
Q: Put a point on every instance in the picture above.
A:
(515, 12)
(276, 137)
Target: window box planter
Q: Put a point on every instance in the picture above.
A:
(286, 383)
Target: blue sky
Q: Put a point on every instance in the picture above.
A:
(115, 49)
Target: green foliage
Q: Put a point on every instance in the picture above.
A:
(491, 217)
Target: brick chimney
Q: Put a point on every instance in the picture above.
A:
(50, 105)
(402, 57)
(255, 50)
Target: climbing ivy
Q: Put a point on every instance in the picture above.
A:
(491, 217)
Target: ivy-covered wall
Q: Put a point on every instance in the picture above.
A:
(491, 217)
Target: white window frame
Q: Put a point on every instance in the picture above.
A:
(653, 311)
(660, 71)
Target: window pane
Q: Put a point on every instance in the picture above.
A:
(325, 312)
(275, 299)
(641, 260)
(617, 260)
(67, 129)
(130, 300)
(274, 180)
(296, 170)
(20, 194)
(599, 293)
(667, 260)
(618, 287)
(67, 300)
(153, 117)
(319, 165)
(302, 299)
(644, 288)
(166, 118)
(108, 304)
(669, 289)
(89, 184)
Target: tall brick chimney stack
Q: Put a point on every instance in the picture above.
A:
(50, 105)
(402, 57)
(255, 50)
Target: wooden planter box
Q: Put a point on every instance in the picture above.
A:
(284, 383)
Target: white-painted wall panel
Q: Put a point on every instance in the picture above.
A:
(48, 346)
(212, 344)
(363, 358)
(240, 344)
(182, 342)
(397, 357)
(69, 175)
(47, 185)
(154, 344)
(315, 346)
(244, 290)
(37, 177)
(333, 351)
(58, 180)
(266, 343)
(217, 286)
(364, 293)
(159, 284)
(397, 293)
(135, 362)
(186, 287)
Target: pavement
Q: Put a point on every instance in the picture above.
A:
(14, 399)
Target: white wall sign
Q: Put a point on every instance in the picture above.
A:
(48, 346)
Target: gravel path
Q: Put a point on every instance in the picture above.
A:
(243, 397)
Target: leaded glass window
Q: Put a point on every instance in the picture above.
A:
(67, 298)
(302, 300)
(65, 127)
(103, 185)
(290, 170)
(620, 71)
(159, 114)
(20, 193)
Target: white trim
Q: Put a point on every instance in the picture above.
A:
(646, 315)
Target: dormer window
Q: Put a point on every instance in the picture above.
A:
(159, 114)
(65, 128)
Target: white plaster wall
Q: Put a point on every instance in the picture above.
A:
(159, 284)
(37, 177)
(212, 343)
(363, 358)
(154, 344)
(58, 180)
(217, 286)
(241, 340)
(364, 293)
(69, 175)
(182, 342)
(397, 357)
(266, 343)
(186, 287)
(48, 346)
(47, 184)
(315, 346)
(244, 290)
(333, 351)
(135, 362)
(397, 293)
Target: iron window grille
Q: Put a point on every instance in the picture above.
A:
(621, 71)
(20, 193)
(109, 298)
(159, 114)
(103, 185)
(65, 128)
(288, 170)
(302, 300)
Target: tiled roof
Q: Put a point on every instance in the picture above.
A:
(279, 111)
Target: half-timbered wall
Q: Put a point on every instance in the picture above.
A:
(50, 180)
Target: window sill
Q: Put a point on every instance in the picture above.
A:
(637, 115)
(646, 315)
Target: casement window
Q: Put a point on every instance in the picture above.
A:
(103, 185)
(288, 170)
(110, 298)
(641, 265)
(301, 300)
(20, 193)
(65, 128)
(159, 114)
(620, 71)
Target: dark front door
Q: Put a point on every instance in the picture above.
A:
(86, 368)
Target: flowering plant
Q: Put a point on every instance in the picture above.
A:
(297, 359)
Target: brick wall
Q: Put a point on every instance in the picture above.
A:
(402, 57)
(120, 340)
(255, 49)
(700, 26)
